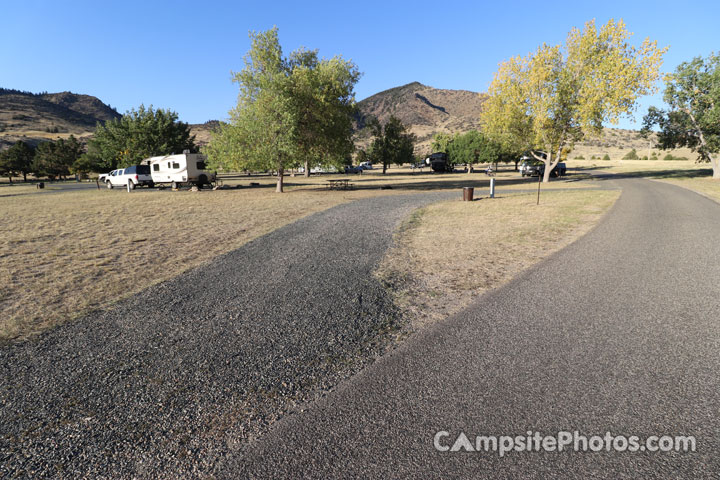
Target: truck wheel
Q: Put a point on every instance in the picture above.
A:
(109, 185)
(151, 185)
(174, 185)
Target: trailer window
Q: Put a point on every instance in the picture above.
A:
(169, 165)
(201, 165)
(175, 165)
(156, 167)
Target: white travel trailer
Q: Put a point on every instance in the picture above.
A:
(186, 168)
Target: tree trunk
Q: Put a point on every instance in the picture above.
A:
(715, 162)
(307, 168)
(549, 165)
(279, 187)
(546, 173)
(384, 167)
(24, 177)
(516, 165)
(10, 177)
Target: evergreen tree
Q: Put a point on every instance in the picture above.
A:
(17, 159)
(56, 159)
(392, 143)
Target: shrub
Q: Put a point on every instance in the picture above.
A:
(644, 157)
(592, 158)
(668, 157)
(579, 157)
(631, 155)
(606, 157)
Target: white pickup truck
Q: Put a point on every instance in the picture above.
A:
(130, 177)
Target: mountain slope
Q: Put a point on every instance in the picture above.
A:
(424, 110)
(35, 117)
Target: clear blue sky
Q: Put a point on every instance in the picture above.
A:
(179, 54)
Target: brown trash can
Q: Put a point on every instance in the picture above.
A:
(468, 194)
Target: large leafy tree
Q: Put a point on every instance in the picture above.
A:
(473, 147)
(322, 93)
(261, 134)
(440, 142)
(290, 111)
(550, 99)
(392, 143)
(693, 119)
(137, 135)
(86, 164)
(17, 159)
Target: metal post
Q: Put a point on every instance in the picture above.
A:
(492, 188)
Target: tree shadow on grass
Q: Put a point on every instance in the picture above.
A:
(670, 173)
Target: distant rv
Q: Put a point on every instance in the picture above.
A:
(439, 162)
(182, 169)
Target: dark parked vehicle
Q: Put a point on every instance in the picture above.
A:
(439, 162)
(560, 170)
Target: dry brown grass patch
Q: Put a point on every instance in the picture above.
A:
(66, 253)
(703, 185)
(447, 254)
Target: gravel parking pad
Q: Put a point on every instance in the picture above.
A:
(170, 380)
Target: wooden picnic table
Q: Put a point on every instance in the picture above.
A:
(339, 184)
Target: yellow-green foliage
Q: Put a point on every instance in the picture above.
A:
(557, 94)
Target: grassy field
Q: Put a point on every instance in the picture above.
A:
(481, 245)
(65, 252)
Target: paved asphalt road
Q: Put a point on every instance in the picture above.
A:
(619, 332)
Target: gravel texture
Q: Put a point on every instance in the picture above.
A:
(619, 332)
(172, 380)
